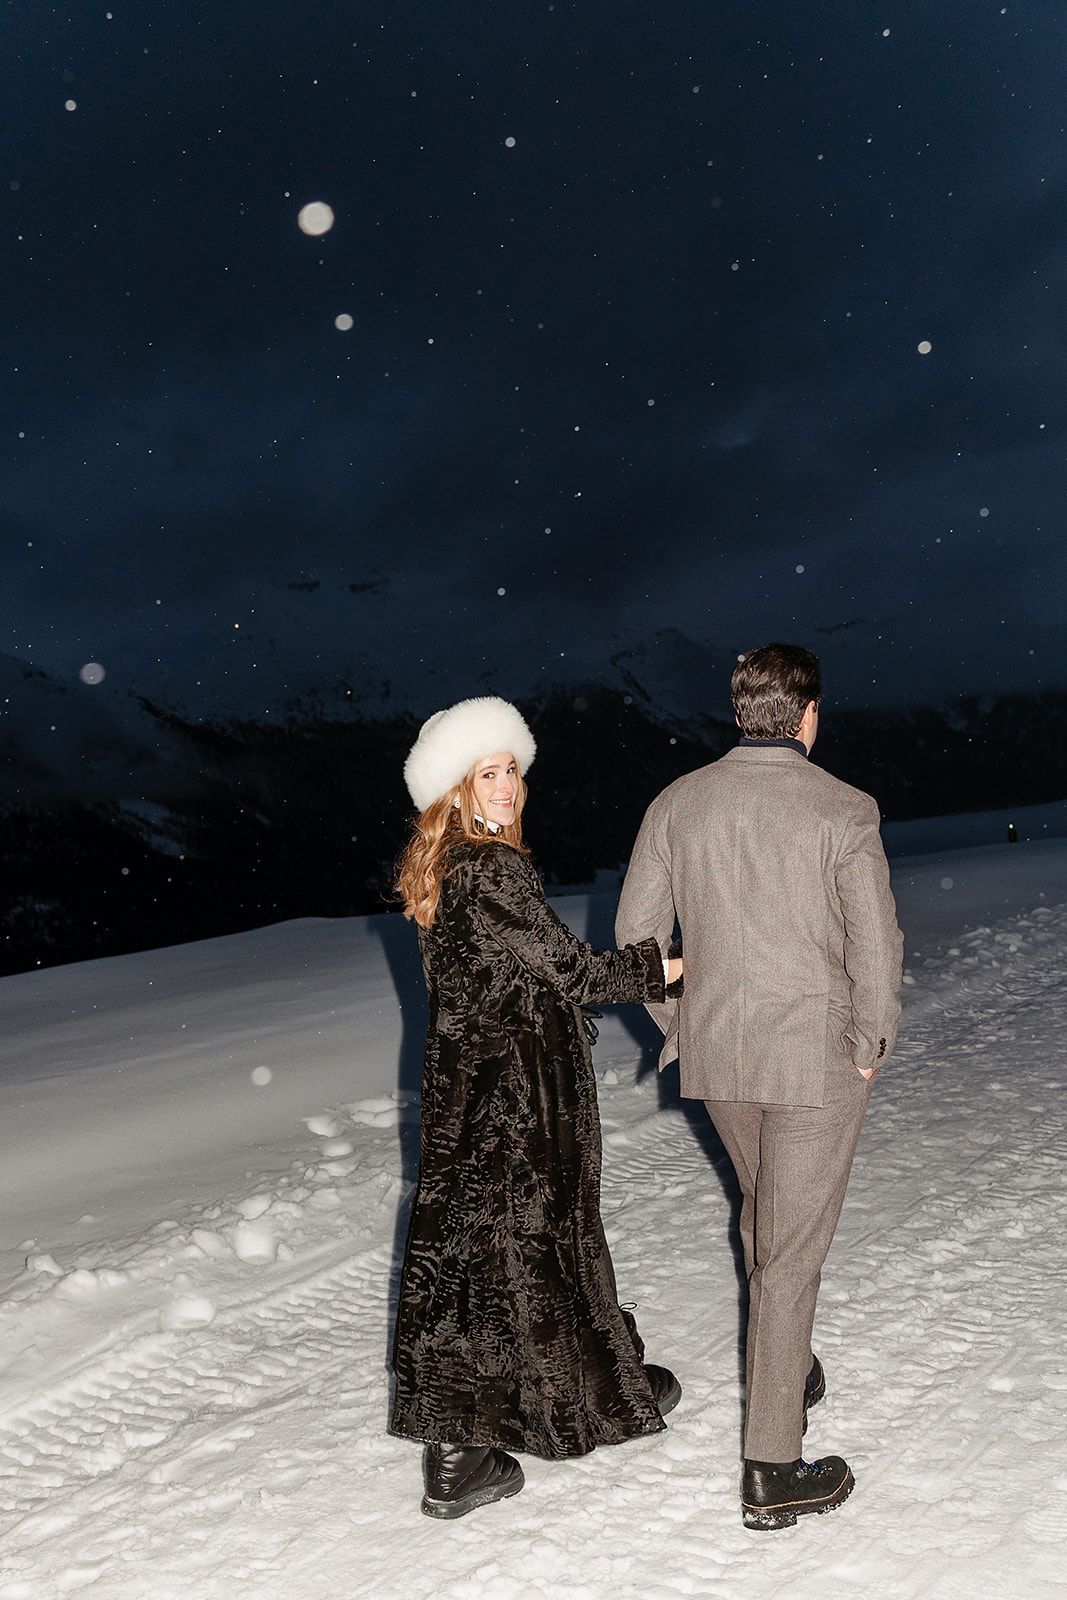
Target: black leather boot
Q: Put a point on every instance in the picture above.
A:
(775, 1493)
(814, 1388)
(666, 1390)
(459, 1478)
(631, 1328)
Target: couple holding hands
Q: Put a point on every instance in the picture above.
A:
(510, 1335)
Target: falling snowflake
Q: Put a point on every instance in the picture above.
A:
(261, 1076)
(315, 219)
(885, 33)
(947, 883)
(799, 567)
(502, 591)
(983, 511)
(650, 402)
(92, 673)
(510, 142)
(924, 347)
(71, 105)
(343, 322)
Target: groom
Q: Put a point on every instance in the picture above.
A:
(776, 875)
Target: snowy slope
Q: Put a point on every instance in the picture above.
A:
(206, 1157)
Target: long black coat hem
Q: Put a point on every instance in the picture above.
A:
(476, 1438)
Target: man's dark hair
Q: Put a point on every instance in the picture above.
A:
(771, 688)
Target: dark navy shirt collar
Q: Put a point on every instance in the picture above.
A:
(781, 744)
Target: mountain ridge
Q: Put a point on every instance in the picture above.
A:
(195, 828)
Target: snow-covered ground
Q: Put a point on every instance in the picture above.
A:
(206, 1156)
(923, 835)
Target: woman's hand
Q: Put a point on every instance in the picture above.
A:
(674, 970)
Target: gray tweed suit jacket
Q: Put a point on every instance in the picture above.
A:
(779, 882)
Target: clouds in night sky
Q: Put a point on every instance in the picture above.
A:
(748, 215)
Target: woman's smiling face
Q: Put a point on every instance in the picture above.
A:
(496, 788)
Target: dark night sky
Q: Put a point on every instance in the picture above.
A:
(749, 215)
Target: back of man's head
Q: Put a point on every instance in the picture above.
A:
(772, 687)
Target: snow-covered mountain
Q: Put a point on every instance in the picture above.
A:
(131, 822)
(77, 738)
(63, 739)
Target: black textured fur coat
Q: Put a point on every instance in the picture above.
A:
(508, 1330)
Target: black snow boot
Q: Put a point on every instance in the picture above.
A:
(814, 1388)
(459, 1478)
(775, 1493)
(666, 1390)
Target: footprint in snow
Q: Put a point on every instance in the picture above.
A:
(79, 1575)
(385, 1112)
(84, 1282)
(188, 1311)
(334, 1149)
(210, 1243)
(44, 1265)
(254, 1242)
(325, 1126)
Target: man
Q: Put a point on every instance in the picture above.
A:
(776, 875)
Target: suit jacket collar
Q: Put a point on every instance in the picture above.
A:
(764, 755)
(798, 747)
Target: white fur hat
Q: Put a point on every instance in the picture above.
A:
(452, 741)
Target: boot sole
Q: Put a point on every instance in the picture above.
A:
(448, 1510)
(768, 1519)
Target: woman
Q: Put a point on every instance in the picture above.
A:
(509, 1332)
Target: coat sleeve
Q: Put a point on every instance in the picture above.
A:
(646, 904)
(513, 909)
(874, 945)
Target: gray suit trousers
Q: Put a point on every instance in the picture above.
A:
(793, 1165)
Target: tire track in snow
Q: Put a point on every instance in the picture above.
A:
(179, 1396)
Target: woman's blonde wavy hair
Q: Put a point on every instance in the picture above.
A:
(422, 866)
